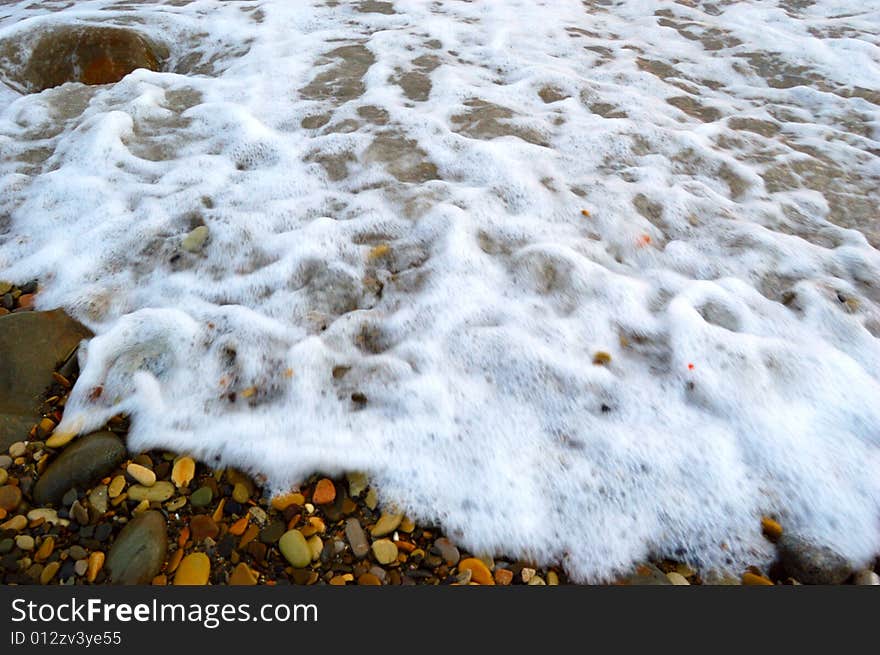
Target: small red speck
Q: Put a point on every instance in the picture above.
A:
(584, 212)
(690, 367)
(644, 240)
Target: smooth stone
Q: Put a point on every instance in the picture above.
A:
(117, 484)
(201, 497)
(6, 545)
(386, 524)
(203, 527)
(16, 523)
(89, 458)
(194, 570)
(98, 498)
(325, 492)
(357, 539)
(46, 514)
(25, 542)
(479, 571)
(81, 567)
(138, 553)
(240, 493)
(369, 580)
(646, 575)
(810, 563)
(18, 449)
(242, 575)
(677, 579)
(33, 344)
(159, 492)
(447, 550)
(86, 54)
(5, 462)
(77, 552)
(183, 471)
(196, 239)
(295, 549)
(866, 578)
(316, 545)
(10, 497)
(79, 513)
(69, 498)
(4, 476)
(384, 551)
(141, 474)
(272, 532)
(357, 483)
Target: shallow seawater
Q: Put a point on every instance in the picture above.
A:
(426, 218)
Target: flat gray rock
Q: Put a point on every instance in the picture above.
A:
(81, 463)
(812, 563)
(32, 345)
(139, 551)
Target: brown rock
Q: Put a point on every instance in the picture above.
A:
(242, 575)
(10, 497)
(771, 529)
(479, 572)
(503, 577)
(202, 527)
(195, 569)
(325, 492)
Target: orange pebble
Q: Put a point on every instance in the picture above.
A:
(237, 529)
(183, 537)
(584, 212)
(325, 492)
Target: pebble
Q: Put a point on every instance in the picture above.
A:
(527, 574)
(284, 501)
(240, 493)
(81, 567)
(69, 497)
(25, 542)
(755, 580)
(357, 483)
(96, 563)
(16, 523)
(384, 551)
(117, 484)
(77, 552)
(183, 472)
(195, 569)
(479, 571)
(159, 492)
(316, 546)
(771, 529)
(677, 579)
(79, 464)
(811, 563)
(295, 549)
(372, 499)
(203, 527)
(537, 581)
(47, 515)
(242, 575)
(503, 577)
(79, 513)
(447, 550)
(646, 575)
(201, 497)
(5, 462)
(196, 239)
(141, 474)
(369, 580)
(258, 515)
(17, 449)
(272, 533)
(866, 578)
(356, 538)
(325, 492)
(6, 545)
(4, 476)
(49, 572)
(10, 497)
(553, 579)
(176, 504)
(386, 524)
(99, 499)
(139, 551)
(45, 550)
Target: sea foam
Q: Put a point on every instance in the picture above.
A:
(427, 218)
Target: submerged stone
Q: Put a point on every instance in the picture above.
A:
(87, 54)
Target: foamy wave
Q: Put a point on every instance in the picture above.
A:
(400, 276)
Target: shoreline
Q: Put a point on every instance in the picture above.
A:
(162, 518)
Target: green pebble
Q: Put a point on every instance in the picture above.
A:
(6, 545)
(240, 493)
(201, 497)
(295, 549)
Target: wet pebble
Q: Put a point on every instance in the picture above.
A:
(10, 497)
(201, 497)
(812, 563)
(139, 551)
(295, 549)
(384, 551)
(203, 527)
(357, 539)
(87, 459)
(195, 569)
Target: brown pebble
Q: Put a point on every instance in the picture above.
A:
(174, 561)
(10, 497)
(771, 529)
(339, 580)
(479, 571)
(195, 569)
(183, 471)
(16, 523)
(202, 527)
(753, 579)
(45, 549)
(237, 529)
(284, 501)
(242, 575)
(325, 492)
(49, 572)
(249, 535)
(160, 580)
(503, 577)
(369, 580)
(96, 562)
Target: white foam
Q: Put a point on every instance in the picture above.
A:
(741, 139)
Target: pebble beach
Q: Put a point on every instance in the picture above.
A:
(413, 292)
